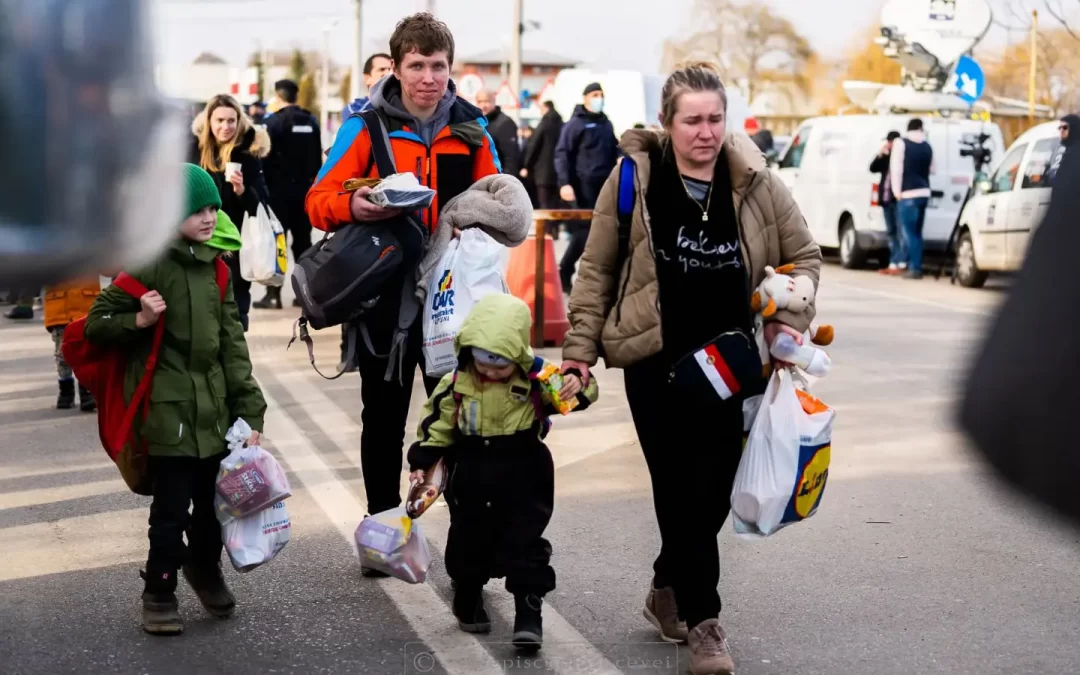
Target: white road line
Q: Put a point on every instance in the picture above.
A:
(62, 493)
(912, 299)
(567, 649)
(421, 606)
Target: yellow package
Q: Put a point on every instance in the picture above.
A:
(551, 379)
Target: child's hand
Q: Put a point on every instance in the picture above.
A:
(254, 439)
(416, 477)
(152, 307)
(572, 386)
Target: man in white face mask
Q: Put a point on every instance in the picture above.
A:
(584, 158)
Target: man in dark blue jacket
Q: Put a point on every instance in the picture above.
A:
(584, 158)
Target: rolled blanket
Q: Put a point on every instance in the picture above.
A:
(499, 204)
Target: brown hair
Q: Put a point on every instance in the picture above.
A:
(213, 157)
(696, 76)
(421, 33)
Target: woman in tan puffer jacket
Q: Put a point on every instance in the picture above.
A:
(708, 217)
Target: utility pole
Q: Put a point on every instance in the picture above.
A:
(431, 7)
(324, 85)
(356, 80)
(515, 55)
(1034, 65)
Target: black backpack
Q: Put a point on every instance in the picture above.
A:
(341, 279)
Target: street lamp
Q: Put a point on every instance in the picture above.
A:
(324, 109)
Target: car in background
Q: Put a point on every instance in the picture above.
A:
(1006, 208)
(827, 169)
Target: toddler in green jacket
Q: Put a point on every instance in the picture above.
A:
(487, 421)
(203, 382)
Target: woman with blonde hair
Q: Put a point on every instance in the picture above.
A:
(229, 147)
(708, 217)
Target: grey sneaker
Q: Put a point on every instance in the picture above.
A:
(161, 615)
(662, 612)
(709, 653)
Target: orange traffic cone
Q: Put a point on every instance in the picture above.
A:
(521, 278)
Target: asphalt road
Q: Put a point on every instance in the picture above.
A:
(917, 561)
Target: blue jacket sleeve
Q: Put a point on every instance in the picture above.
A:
(566, 151)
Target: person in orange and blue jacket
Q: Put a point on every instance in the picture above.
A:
(443, 140)
(65, 303)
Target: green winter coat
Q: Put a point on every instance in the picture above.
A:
(203, 380)
(500, 324)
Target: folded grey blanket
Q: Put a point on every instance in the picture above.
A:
(499, 204)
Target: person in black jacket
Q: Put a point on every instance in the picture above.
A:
(584, 158)
(539, 163)
(291, 168)
(897, 253)
(503, 131)
(1021, 390)
(224, 136)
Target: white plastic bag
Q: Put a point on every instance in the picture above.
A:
(256, 539)
(249, 480)
(785, 464)
(263, 256)
(393, 543)
(470, 269)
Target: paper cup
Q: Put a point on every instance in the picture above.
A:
(230, 169)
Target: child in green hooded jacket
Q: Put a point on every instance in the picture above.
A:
(202, 383)
(487, 420)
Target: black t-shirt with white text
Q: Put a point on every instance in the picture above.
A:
(699, 263)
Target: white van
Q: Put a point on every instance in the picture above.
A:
(1006, 209)
(827, 169)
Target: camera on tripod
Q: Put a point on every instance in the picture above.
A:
(975, 147)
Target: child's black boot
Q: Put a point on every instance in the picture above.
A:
(209, 586)
(66, 399)
(469, 609)
(86, 400)
(528, 624)
(161, 612)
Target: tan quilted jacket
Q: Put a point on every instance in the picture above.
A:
(772, 232)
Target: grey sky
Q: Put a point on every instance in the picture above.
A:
(606, 33)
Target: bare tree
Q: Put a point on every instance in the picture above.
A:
(747, 41)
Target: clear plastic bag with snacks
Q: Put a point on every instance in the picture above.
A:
(249, 480)
(393, 543)
(785, 463)
(255, 540)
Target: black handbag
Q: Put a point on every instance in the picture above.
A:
(727, 367)
(342, 278)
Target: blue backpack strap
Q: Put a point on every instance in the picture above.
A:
(627, 197)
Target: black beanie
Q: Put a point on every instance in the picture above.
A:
(595, 86)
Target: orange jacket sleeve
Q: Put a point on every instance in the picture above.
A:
(327, 202)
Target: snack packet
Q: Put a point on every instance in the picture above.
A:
(551, 380)
(423, 495)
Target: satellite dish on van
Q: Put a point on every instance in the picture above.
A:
(863, 94)
(944, 29)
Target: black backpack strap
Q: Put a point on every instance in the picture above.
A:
(380, 143)
(305, 337)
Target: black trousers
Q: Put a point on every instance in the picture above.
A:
(241, 288)
(294, 219)
(502, 496)
(692, 446)
(386, 407)
(180, 484)
(586, 194)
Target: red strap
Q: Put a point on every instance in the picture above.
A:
(130, 285)
(222, 277)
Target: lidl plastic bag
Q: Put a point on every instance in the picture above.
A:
(470, 269)
(263, 255)
(255, 540)
(785, 464)
(393, 543)
(249, 480)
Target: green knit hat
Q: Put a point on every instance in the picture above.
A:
(226, 236)
(200, 190)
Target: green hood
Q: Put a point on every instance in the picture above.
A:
(500, 324)
(226, 236)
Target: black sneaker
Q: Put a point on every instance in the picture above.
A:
(66, 399)
(211, 590)
(470, 612)
(528, 624)
(21, 313)
(913, 274)
(272, 300)
(161, 614)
